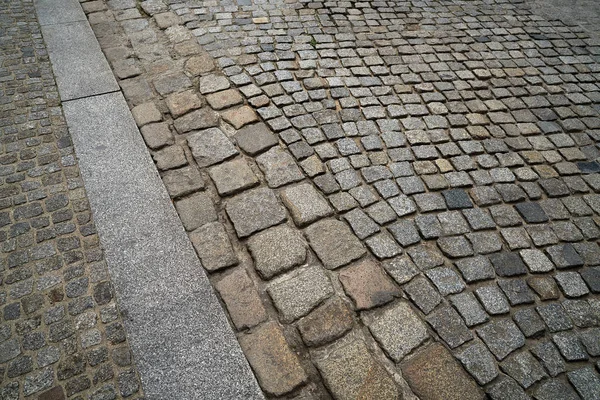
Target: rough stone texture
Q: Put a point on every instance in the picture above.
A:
(398, 115)
(256, 138)
(213, 246)
(57, 299)
(502, 337)
(210, 146)
(196, 210)
(242, 299)
(296, 294)
(279, 167)
(277, 250)
(326, 323)
(434, 374)
(334, 244)
(232, 176)
(351, 372)
(254, 210)
(479, 362)
(305, 204)
(368, 285)
(277, 368)
(398, 329)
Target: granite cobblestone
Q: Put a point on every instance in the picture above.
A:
(453, 147)
(61, 333)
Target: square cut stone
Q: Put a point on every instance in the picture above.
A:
(182, 103)
(501, 337)
(398, 329)
(256, 138)
(368, 285)
(232, 176)
(157, 135)
(276, 250)
(255, 210)
(146, 113)
(183, 181)
(213, 246)
(279, 167)
(242, 299)
(350, 372)
(434, 374)
(196, 210)
(276, 366)
(210, 146)
(305, 204)
(508, 264)
(197, 119)
(224, 99)
(240, 116)
(326, 323)
(213, 83)
(334, 243)
(170, 157)
(523, 368)
(299, 292)
(479, 362)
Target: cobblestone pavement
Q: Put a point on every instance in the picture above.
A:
(585, 13)
(61, 335)
(392, 199)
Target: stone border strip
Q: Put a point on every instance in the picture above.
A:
(182, 343)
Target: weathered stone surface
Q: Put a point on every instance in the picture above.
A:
(199, 64)
(256, 138)
(157, 135)
(224, 99)
(368, 285)
(198, 119)
(296, 294)
(169, 158)
(334, 243)
(183, 181)
(232, 176)
(277, 368)
(479, 362)
(239, 117)
(254, 210)
(213, 246)
(351, 373)
(434, 374)
(146, 113)
(279, 167)
(196, 210)
(506, 388)
(555, 389)
(242, 299)
(305, 204)
(182, 103)
(523, 368)
(586, 382)
(276, 250)
(502, 337)
(451, 328)
(398, 329)
(422, 293)
(213, 83)
(211, 146)
(326, 323)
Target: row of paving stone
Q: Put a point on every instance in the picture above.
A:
(61, 335)
(456, 142)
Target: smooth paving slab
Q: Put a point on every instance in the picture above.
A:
(80, 68)
(52, 12)
(182, 343)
